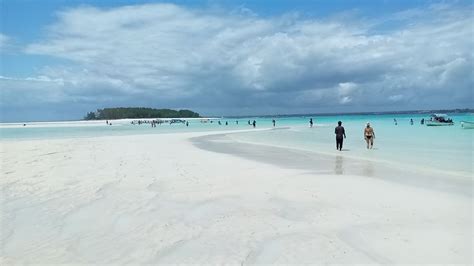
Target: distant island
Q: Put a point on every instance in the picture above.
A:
(138, 112)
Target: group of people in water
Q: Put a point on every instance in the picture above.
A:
(254, 123)
(153, 123)
(422, 121)
(369, 133)
(339, 131)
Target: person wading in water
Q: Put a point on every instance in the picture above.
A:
(340, 135)
(369, 136)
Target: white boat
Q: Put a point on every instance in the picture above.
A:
(439, 120)
(467, 124)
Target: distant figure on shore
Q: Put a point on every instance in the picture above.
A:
(369, 136)
(395, 121)
(311, 122)
(273, 121)
(422, 121)
(107, 122)
(340, 135)
(187, 123)
(236, 122)
(411, 122)
(248, 122)
(219, 122)
(254, 123)
(226, 123)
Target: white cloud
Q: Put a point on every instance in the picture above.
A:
(4, 41)
(34, 79)
(163, 54)
(395, 98)
(347, 87)
(345, 100)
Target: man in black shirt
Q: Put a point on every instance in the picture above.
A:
(340, 135)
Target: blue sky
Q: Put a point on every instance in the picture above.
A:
(62, 58)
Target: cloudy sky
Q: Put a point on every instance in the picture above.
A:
(63, 58)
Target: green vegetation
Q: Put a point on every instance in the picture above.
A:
(138, 112)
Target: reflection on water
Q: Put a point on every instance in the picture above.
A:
(339, 165)
(368, 168)
(362, 167)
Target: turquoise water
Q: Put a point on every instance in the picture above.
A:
(448, 148)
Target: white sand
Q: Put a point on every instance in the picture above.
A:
(160, 199)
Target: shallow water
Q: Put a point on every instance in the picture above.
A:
(314, 163)
(447, 148)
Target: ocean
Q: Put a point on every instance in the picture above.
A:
(447, 148)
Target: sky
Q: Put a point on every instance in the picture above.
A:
(63, 58)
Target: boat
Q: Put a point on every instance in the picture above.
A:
(439, 120)
(467, 124)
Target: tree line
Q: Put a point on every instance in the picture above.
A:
(138, 112)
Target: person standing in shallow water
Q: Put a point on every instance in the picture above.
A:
(369, 136)
(311, 122)
(254, 123)
(273, 121)
(340, 135)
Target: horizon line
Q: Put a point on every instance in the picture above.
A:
(422, 111)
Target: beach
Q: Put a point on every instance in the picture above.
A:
(212, 198)
(204, 132)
